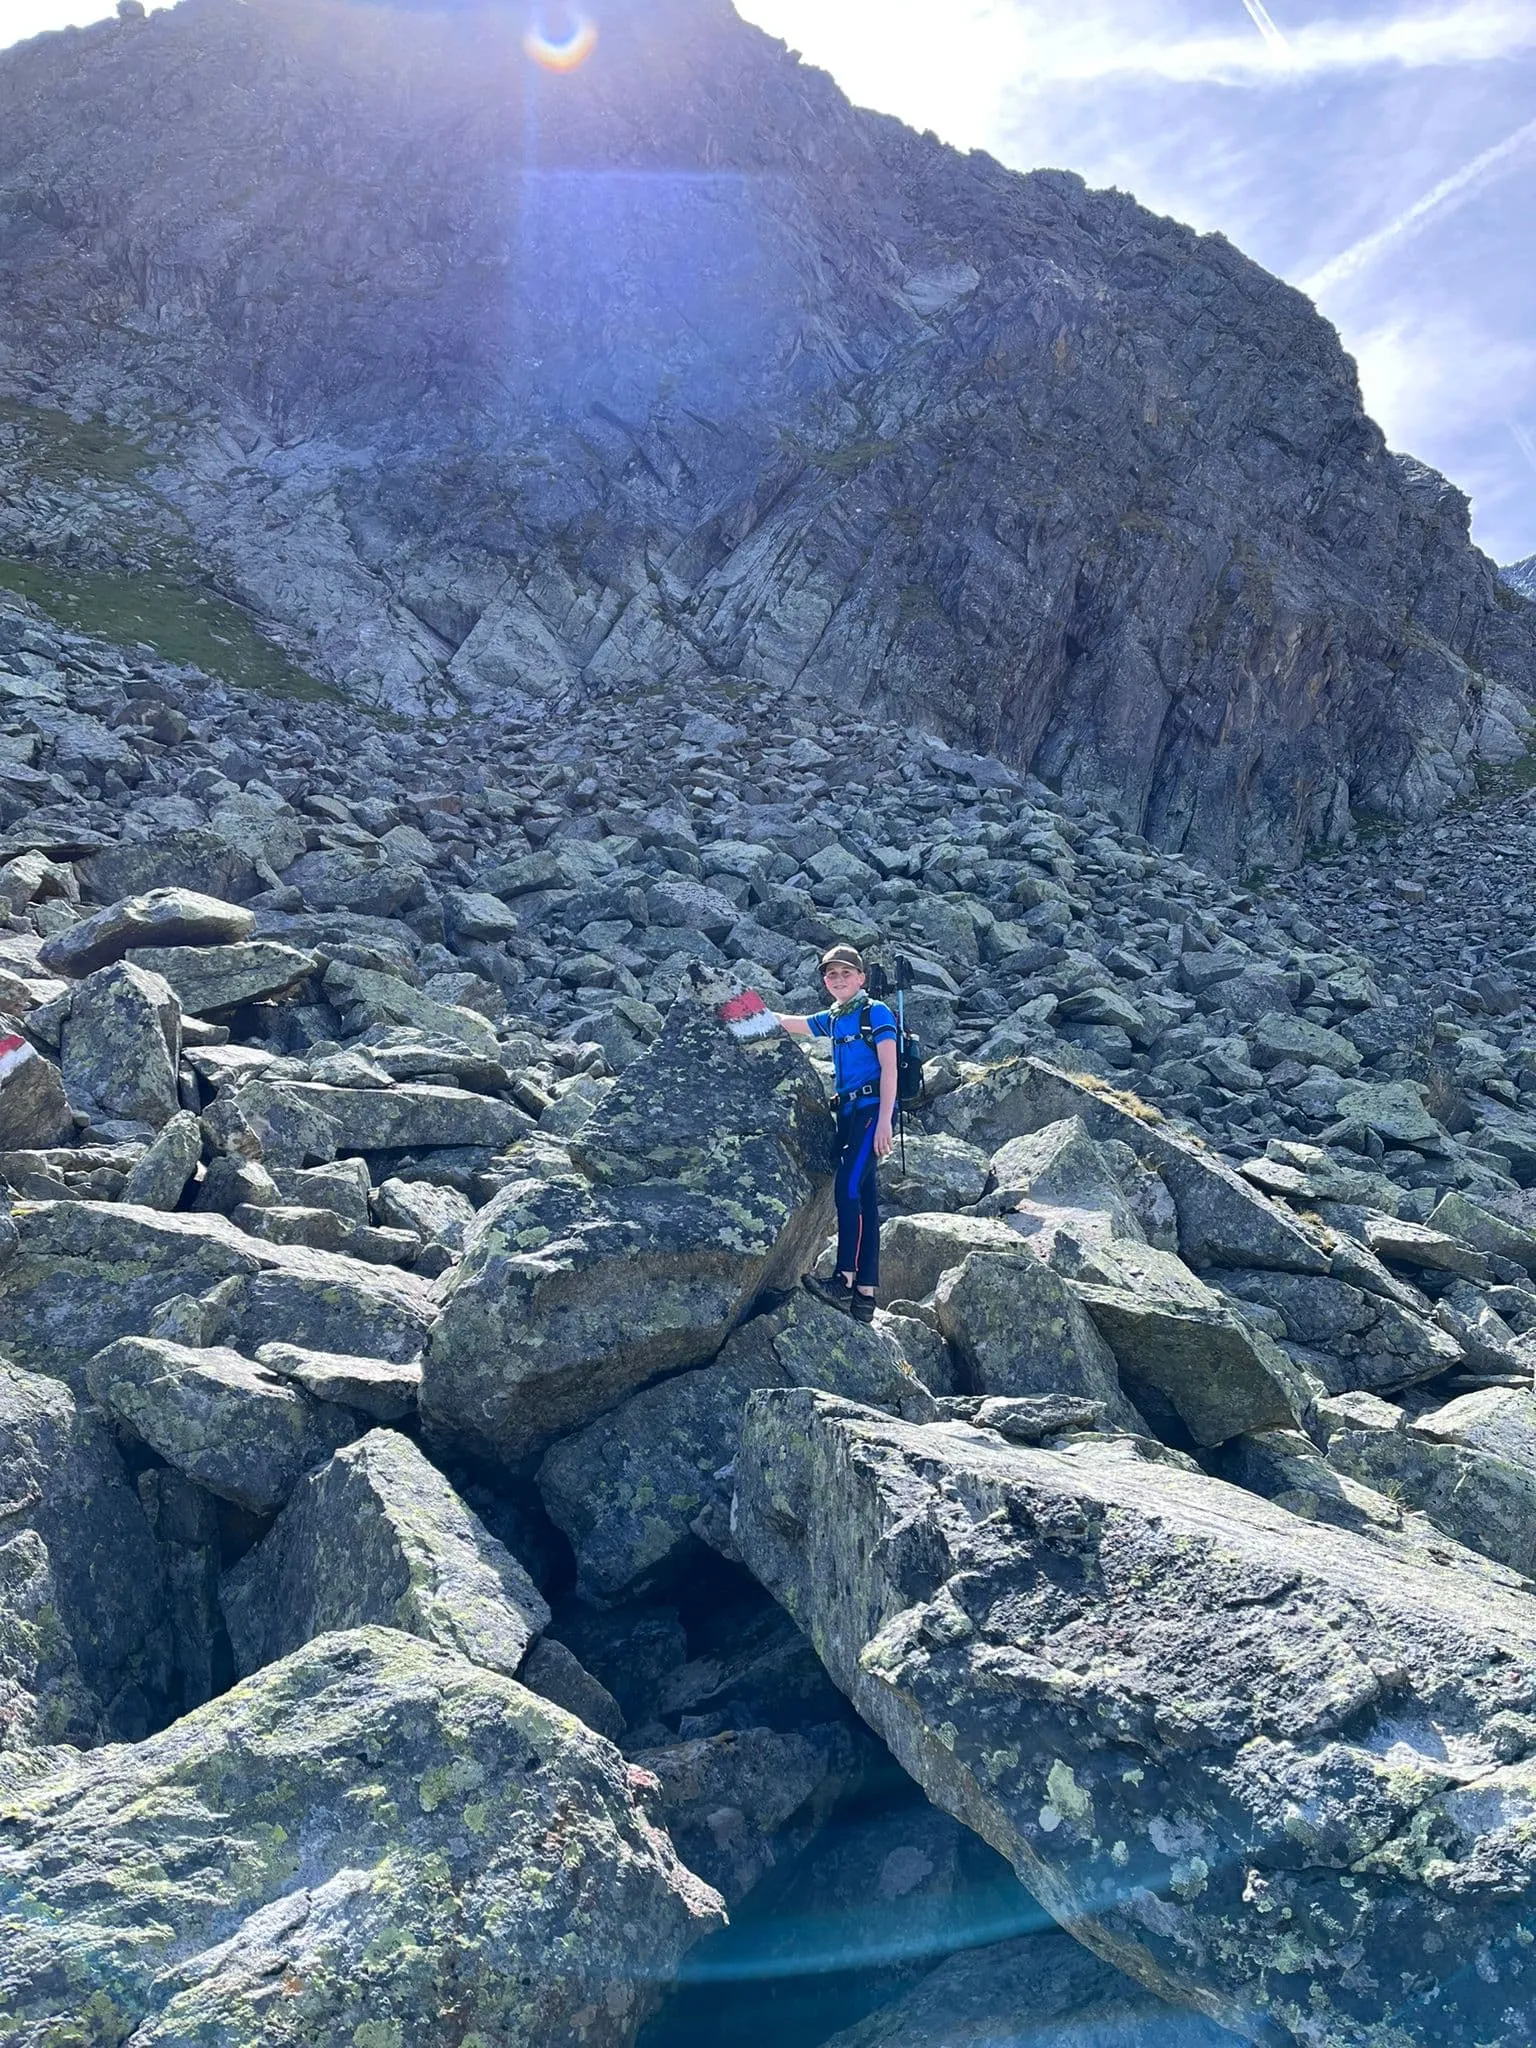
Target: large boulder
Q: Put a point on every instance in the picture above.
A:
(1287, 1468)
(1469, 1467)
(1172, 1334)
(373, 1842)
(188, 861)
(1060, 1166)
(1222, 1219)
(43, 1698)
(208, 979)
(304, 1123)
(1016, 1329)
(558, 1674)
(706, 1187)
(628, 1489)
(365, 997)
(737, 1803)
(1484, 1229)
(122, 1044)
(159, 1178)
(1040, 1988)
(160, 917)
(246, 1434)
(917, 1251)
(62, 1482)
(1277, 1037)
(1395, 1111)
(376, 1534)
(932, 1173)
(379, 1387)
(1261, 1766)
(324, 1301)
(85, 1273)
(260, 826)
(1352, 1340)
(704, 1112)
(1404, 1243)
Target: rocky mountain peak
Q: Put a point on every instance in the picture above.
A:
(481, 385)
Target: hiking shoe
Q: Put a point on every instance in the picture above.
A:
(832, 1292)
(862, 1307)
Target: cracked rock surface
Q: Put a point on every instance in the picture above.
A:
(370, 1791)
(1260, 1766)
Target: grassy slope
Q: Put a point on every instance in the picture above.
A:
(168, 606)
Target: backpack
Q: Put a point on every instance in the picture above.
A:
(909, 1054)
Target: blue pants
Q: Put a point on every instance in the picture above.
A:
(857, 1189)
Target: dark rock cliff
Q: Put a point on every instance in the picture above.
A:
(478, 382)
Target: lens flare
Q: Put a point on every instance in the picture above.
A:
(563, 52)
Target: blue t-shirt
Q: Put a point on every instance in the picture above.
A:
(854, 1060)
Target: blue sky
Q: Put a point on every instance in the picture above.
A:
(1379, 153)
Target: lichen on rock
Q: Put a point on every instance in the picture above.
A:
(372, 1841)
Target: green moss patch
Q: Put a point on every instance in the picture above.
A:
(61, 448)
(167, 606)
(180, 622)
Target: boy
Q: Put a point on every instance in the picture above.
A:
(863, 1035)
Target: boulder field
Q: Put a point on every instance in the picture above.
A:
(456, 1585)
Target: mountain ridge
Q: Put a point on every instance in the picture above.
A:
(476, 386)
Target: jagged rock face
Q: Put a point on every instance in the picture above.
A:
(980, 1996)
(678, 365)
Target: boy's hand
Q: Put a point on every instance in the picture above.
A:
(884, 1139)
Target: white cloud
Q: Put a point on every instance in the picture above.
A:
(1413, 375)
(1525, 442)
(1449, 193)
(891, 52)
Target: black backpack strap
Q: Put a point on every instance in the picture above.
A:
(837, 1075)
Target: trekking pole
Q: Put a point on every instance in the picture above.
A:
(901, 1039)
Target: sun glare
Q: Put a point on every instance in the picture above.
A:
(563, 52)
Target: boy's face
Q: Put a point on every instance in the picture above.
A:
(842, 982)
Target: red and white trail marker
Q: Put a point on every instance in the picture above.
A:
(14, 1053)
(747, 1015)
(33, 1109)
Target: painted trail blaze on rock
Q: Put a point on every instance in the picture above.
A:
(747, 1016)
(33, 1111)
(1266, 1768)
